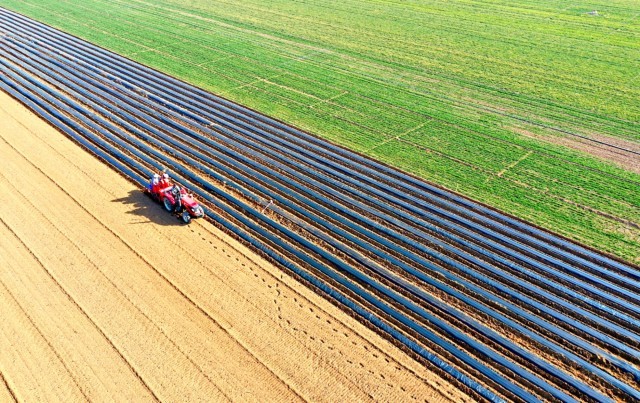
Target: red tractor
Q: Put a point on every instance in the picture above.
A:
(176, 199)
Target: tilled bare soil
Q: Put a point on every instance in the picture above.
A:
(104, 295)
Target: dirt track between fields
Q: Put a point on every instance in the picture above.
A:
(102, 294)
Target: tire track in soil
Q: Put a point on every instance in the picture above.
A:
(309, 327)
(62, 361)
(6, 394)
(28, 361)
(68, 330)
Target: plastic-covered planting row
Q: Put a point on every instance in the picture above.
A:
(184, 94)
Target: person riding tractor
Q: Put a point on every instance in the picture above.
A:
(159, 183)
(177, 192)
(154, 181)
(165, 182)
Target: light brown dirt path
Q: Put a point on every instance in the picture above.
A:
(185, 311)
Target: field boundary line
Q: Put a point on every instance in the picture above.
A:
(329, 99)
(398, 137)
(150, 49)
(516, 162)
(217, 59)
(266, 80)
(261, 79)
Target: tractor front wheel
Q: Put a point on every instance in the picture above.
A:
(186, 217)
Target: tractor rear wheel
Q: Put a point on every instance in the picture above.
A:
(168, 205)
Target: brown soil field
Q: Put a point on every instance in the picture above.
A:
(105, 296)
(623, 159)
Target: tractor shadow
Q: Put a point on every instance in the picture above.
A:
(147, 209)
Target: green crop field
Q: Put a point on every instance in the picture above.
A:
(484, 97)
